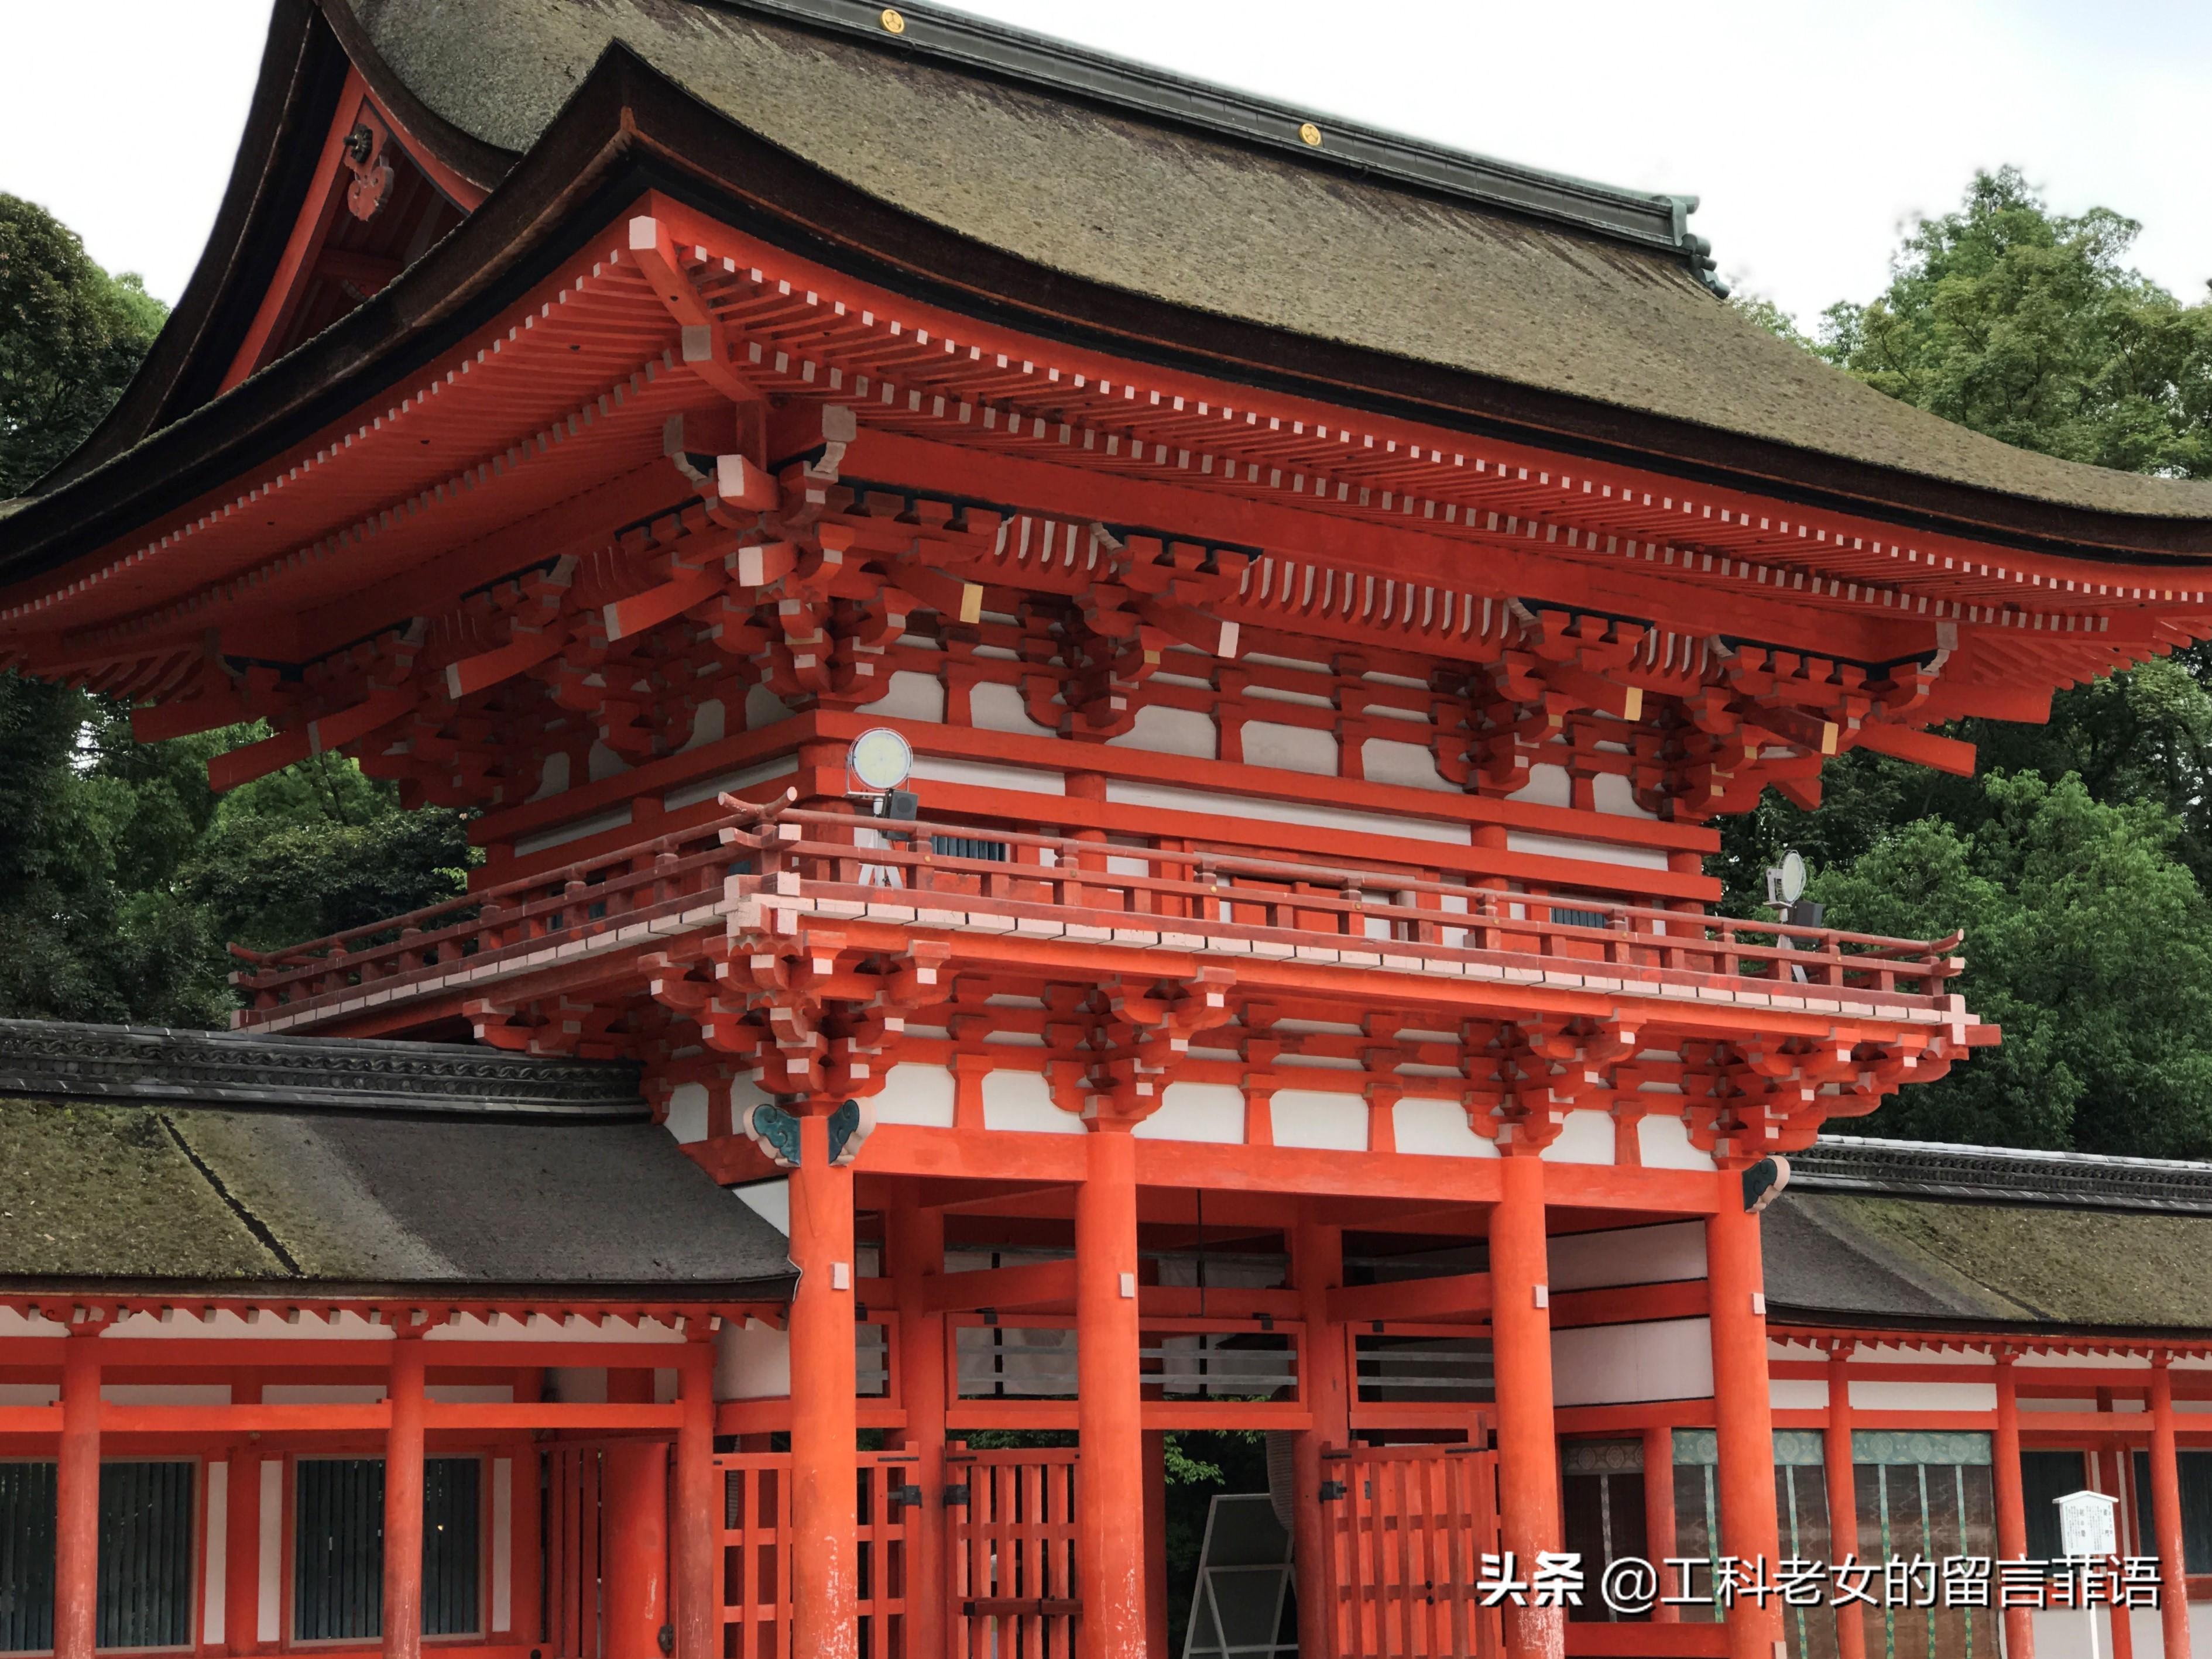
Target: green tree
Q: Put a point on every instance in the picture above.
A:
(2031, 326)
(2087, 941)
(122, 875)
(70, 338)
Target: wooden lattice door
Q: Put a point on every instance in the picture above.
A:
(1408, 1528)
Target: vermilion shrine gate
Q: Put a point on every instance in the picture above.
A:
(1329, 588)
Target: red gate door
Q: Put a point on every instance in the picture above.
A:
(1408, 1530)
(757, 1545)
(1011, 1546)
(573, 1624)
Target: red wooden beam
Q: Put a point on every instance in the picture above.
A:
(1411, 1298)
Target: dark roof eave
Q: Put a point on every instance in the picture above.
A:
(767, 1288)
(628, 129)
(1792, 1316)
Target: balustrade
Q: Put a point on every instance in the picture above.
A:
(962, 875)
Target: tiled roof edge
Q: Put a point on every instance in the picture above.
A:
(2006, 1175)
(156, 1064)
(1642, 218)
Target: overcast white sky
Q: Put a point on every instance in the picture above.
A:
(1811, 131)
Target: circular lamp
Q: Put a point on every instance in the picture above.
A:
(879, 760)
(1793, 877)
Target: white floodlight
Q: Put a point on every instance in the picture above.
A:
(879, 760)
(1785, 885)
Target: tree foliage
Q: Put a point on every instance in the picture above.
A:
(2077, 858)
(70, 338)
(122, 877)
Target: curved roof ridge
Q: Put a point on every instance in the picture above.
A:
(1647, 219)
(2007, 1175)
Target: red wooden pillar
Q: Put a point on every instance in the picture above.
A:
(1521, 1342)
(634, 1494)
(1743, 1412)
(696, 1558)
(825, 1418)
(917, 1247)
(1156, 1540)
(242, 1539)
(527, 1491)
(1659, 1513)
(1843, 1495)
(403, 1504)
(2165, 1511)
(76, 1481)
(2113, 1465)
(1110, 1526)
(1316, 1268)
(2012, 1504)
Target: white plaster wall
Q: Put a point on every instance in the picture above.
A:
(980, 774)
(268, 1614)
(214, 1541)
(769, 1200)
(1798, 1393)
(1595, 853)
(602, 762)
(995, 707)
(916, 1094)
(1438, 1129)
(1667, 1254)
(1292, 748)
(1316, 1118)
(1412, 766)
(553, 777)
(322, 1394)
(1168, 798)
(1614, 1365)
(752, 1361)
(1165, 730)
(706, 789)
(1662, 1141)
(502, 1542)
(1211, 1113)
(1612, 792)
(1923, 1396)
(1022, 1101)
(763, 708)
(1585, 1138)
(710, 724)
(576, 830)
(1548, 786)
(165, 1393)
(687, 1112)
(909, 696)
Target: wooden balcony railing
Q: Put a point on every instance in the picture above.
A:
(968, 877)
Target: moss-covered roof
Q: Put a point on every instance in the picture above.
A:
(1871, 1259)
(180, 1196)
(1138, 202)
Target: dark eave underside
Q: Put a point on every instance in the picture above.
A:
(628, 129)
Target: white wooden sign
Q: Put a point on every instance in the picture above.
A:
(2086, 1525)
